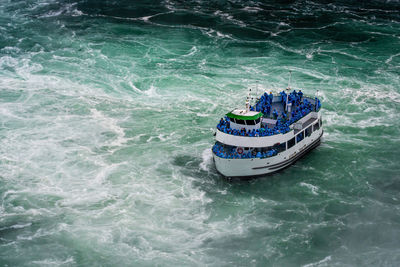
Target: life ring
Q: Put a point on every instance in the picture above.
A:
(239, 150)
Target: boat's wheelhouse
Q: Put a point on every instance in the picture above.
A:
(247, 120)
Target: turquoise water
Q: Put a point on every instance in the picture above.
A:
(107, 115)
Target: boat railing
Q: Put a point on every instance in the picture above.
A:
(282, 128)
(234, 153)
(283, 122)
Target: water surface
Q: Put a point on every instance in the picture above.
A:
(107, 115)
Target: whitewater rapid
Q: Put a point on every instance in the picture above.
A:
(107, 115)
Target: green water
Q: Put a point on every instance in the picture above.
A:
(107, 115)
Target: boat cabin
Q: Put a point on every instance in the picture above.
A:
(242, 119)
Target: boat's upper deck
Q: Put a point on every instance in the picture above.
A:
(271, 115)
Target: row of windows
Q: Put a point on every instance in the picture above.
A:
(300, 136)
(246, 122)
(307, 132)
(282, 147)
(278, 147)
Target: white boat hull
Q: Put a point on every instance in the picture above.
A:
(259, 166)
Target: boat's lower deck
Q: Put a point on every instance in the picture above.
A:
(233, 167)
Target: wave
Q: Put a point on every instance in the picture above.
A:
(107, 114)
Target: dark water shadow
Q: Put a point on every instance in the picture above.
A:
(211, 181)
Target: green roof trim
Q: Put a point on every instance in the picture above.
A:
(246, 118)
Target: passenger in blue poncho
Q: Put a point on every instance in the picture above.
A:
(300, 94)
(275, 113)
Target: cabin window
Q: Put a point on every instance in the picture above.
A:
(240, 121)
(308, 131)
(299, 137)
(232, 120)
(291, 143)
(250, 122)
(258, 120)
(320, 122)
(281, 147)
(316, 127)
(266, 149)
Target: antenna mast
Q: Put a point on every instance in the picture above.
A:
(290, 77)
(287, 91)
(257, 97)
(248, 101)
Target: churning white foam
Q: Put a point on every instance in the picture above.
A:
(206, 156)
(110, 124)
(313, 188)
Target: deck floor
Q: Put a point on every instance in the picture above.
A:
(279, 107)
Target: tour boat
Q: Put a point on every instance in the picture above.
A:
(268, 136)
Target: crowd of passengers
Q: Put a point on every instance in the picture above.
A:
(280, 127)
(300, 108)
(219, 150)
